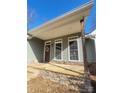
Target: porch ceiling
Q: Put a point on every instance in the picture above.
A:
(66, 24)
(59, 31)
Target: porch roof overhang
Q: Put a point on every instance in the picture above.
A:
(69, 23)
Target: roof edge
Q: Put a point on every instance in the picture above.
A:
(61, 16)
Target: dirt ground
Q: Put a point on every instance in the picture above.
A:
(40, 85)
(36, 84)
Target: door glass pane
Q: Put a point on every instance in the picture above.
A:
(73, 50)
(58, 50)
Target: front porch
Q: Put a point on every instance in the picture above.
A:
(65, 49)
(72, 70)
(60, 39)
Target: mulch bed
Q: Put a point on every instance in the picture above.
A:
(40, 85)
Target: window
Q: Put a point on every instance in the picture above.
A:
(73, 49)
(58, 50)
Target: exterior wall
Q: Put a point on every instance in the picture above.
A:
(35, 49)
(91, 52)
(65, 47)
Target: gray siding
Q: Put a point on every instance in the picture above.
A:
(91, 52)
(35, 49)
(65, 48)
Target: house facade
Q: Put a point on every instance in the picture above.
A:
(60, 40)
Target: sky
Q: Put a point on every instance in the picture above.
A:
(42, 11)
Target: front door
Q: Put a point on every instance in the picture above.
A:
(47, 53)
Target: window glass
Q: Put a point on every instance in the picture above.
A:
(73, 50)
(58, 50)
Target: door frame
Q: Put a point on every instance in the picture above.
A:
(47, 43)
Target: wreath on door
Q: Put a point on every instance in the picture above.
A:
(47, 49)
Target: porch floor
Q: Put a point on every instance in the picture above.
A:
(35, 68)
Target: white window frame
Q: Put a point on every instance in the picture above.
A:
(58, 41)
(45, 43)
(73, 38)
